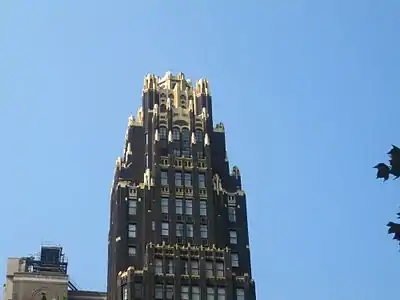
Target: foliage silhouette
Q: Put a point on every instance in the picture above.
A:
(385, 171)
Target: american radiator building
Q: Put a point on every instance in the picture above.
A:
(178, 224)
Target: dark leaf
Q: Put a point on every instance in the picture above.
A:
(383, 171)
(394, 151)
(395, 229)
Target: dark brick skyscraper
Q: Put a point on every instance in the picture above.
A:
(178, 225)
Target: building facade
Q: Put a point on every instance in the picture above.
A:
(43, 277)
(178, 220)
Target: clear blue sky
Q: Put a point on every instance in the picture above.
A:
(307, 90)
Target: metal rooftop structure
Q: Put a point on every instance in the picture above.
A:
(50, 259)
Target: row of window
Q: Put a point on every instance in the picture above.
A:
(177, 135)
(180, 230)
(194, 267)
(185, 153)
(185, 136)
(183, 179)
(182, 207)
(167, 292)
(171, 96)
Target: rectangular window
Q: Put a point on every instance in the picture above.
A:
(219, 269)
(146, 138)
(179, 229)
(176, 134)
(186, 153)
(153, 225)
(178, 179)
(186, 138)
(188, 179)
(177, 152)
(199, 136)
(132, 250)
(158, 267)
(158, 291)
(170, 269)
(189, 230)
(210, 293)
(221, 294)
(232, 214)
(194, 264)
(132, 230)
(188, 207)
(203, 231)
(235, 259)
(200, 154)
(132, 205)
(203, 208)
(138, 290)
(209, 270)
(164, 178)
(125, 293)
(233, 237)
(164, 205)
(185, 269)
(184, 293)
(231, 200)
(202, 181)
(195, 293)
(162, 133)
(239, 294)
(178, 206)
(146, 161)
(164, 229)
(169, 292)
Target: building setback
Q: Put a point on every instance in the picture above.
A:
(178, 220)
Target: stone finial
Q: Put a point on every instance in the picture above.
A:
(170, 136)
(235, 172)
(204, 114)
(150, 82)
(147, 180)
(140, 115)
(203, 87)
(129, 148)
(128, 151)
(220, 127)
(131, 121)
(168, 103)
(118, 163)
(181, 76)
(193, 138)
(191, 106)
(206, 140)
(156, 135)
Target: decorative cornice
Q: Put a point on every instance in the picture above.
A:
(219, 189)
